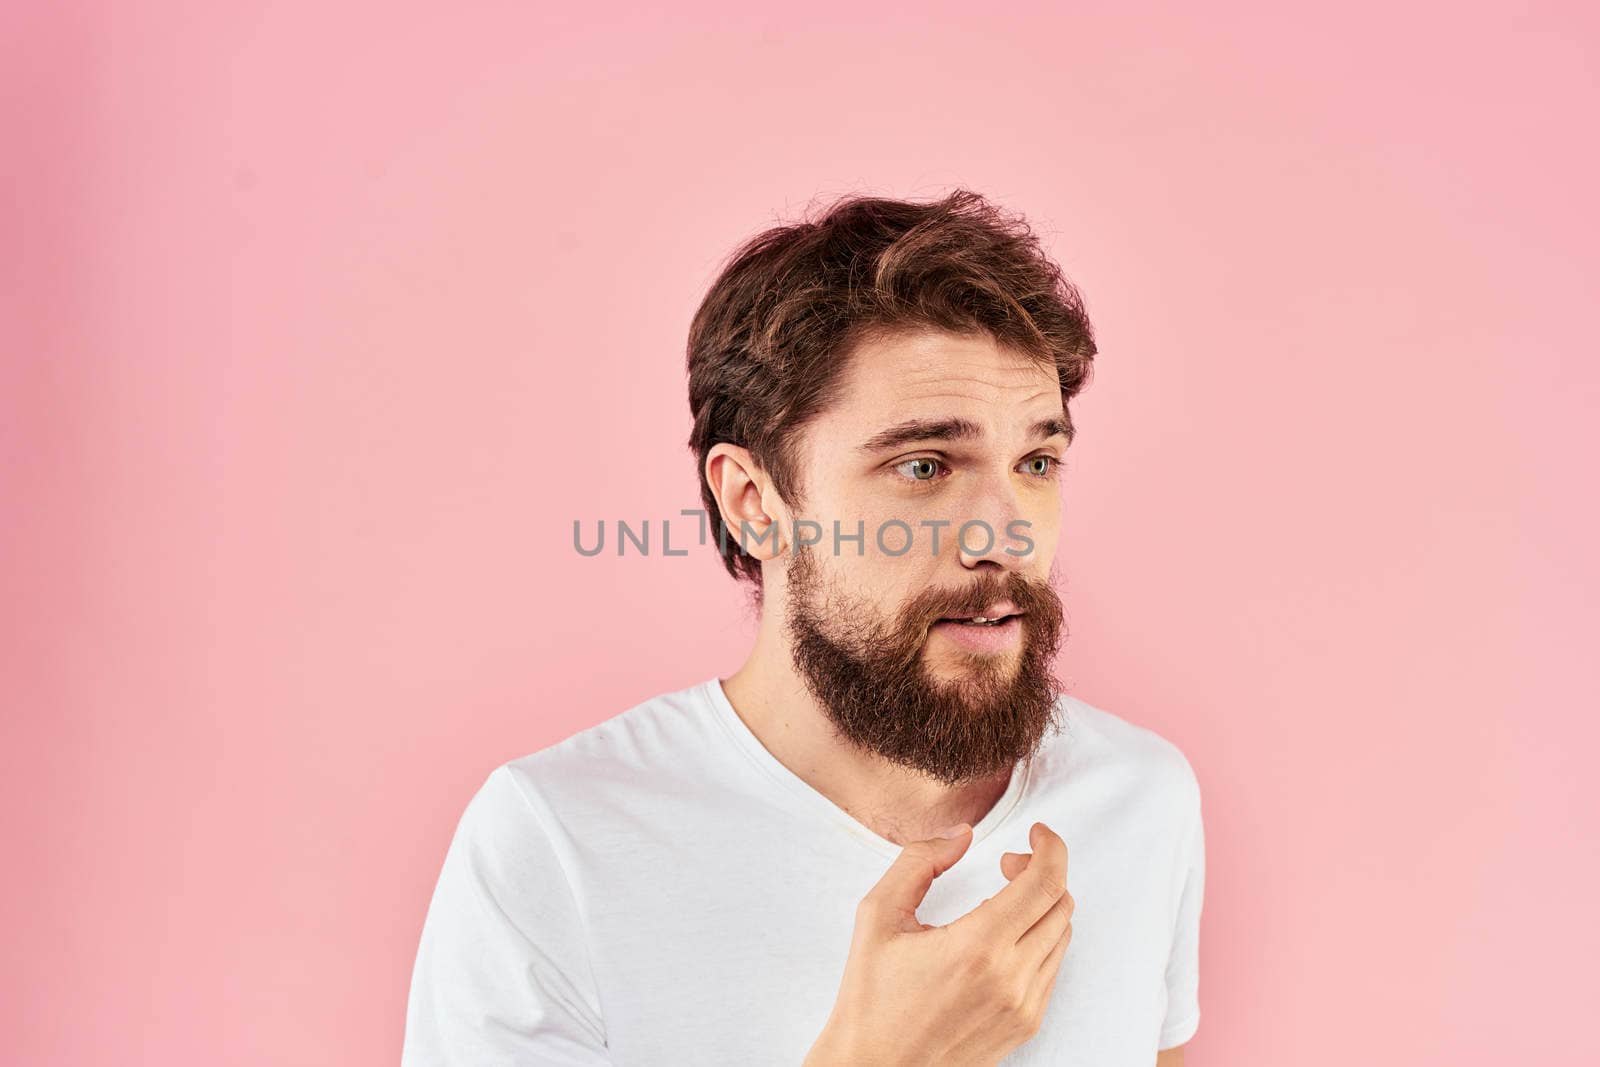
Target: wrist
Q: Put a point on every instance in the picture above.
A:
(836, 1047)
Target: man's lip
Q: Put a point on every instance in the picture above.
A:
(997, 610)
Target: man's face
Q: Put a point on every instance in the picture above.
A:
(940, 438)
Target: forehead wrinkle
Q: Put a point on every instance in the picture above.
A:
(983, 393)
(947, 396)
(977, 370)
(973, 379)
(915, 377)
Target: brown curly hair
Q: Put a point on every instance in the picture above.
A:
(770, 341)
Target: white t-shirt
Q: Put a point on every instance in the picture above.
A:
(660, 889)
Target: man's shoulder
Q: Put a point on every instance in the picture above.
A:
(619, 766)
(1091, 736)
(639, 750)
(666, 720)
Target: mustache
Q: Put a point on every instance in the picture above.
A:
(1033, 598)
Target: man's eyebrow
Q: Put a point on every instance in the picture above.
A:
(954, 430)
(1051, 427)
(922, 430)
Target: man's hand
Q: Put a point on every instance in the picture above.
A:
(965, 993)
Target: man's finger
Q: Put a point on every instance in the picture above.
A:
(1013, 863)
(1011, 912)
(891, 904)
(1050, 929)
(1042, 935)
(1044, 981)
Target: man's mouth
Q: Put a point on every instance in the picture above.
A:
(992, 632)
(994, 615)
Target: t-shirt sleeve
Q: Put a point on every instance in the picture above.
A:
(1183, 962)
(502, 972)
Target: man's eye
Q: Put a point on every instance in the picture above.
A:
(1041, 466)
(921, 470)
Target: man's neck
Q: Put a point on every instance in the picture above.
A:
(894, 802)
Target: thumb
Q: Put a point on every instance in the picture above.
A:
(892, 903)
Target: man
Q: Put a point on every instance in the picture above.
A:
(854, 850)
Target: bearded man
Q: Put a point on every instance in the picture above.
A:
(855, 849)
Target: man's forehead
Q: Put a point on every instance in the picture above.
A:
(931, 373)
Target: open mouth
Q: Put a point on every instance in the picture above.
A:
(980, 620)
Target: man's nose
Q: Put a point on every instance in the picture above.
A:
(994, 532)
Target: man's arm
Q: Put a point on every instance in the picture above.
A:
(502, 976)
(1183, 962)
(1170, 1057)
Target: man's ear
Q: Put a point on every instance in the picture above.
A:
(740, 487)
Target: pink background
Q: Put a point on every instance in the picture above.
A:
(323, 322)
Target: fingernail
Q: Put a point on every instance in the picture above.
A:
(953, 831)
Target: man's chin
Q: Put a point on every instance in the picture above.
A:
(955, 667)
(941, 655)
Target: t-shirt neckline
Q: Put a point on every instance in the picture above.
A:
(748, 743)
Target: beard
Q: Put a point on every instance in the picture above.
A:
(874, 683)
